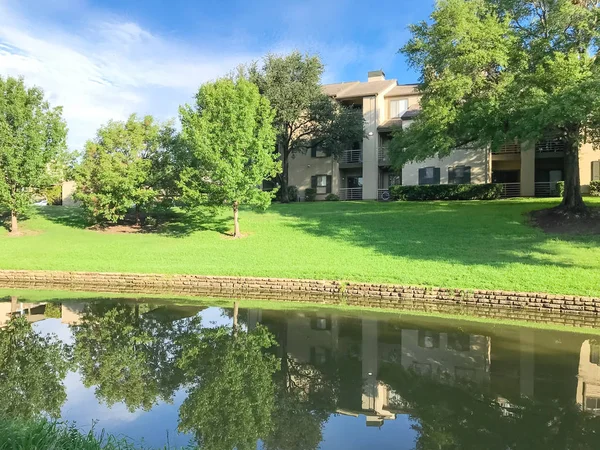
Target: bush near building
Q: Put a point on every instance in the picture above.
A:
(446, 192)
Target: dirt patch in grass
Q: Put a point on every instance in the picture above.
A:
(119, 229)
(556, 221)
(23, 233)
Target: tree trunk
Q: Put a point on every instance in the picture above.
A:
(236, 307)
(14, 303)
(572, 200)
(284, 176)
(14, 225)
(236, 223)
(137, 214)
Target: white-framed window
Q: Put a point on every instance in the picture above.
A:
(429, 175)
(321, 184)
(398, 107)
(459, 175)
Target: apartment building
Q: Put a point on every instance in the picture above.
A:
(363, 172)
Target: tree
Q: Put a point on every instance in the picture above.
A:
(122, 167)
(129, 356)
(305, 117)
(231, 137)
(496, 71)
(32, 135)
(32, 370)
(230, 399)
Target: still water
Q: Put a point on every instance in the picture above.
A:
(297, 379)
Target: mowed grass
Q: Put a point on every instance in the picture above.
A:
(463, 245)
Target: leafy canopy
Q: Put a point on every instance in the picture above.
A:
(124, 166)
(230, 136)
(32, 139)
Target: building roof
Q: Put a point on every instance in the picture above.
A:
(403, 89)
(390, 124)
(366, 88)
(412, 112)
(334, 89)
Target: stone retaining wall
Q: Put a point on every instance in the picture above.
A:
(563, 309)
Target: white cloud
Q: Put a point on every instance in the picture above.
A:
(106, 70)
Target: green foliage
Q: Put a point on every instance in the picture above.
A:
(127, 355)
(595, 188)
(53, 194)
(44, 434)
(32, 369)
(560, 188)
(230, 399)
(446, 192)
(32, 136)
(310, 194)
(125, 165)
(53, 310)
(311, 120)
(231, 138)
(498, 71)
(332, 198)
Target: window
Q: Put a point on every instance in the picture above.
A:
(320, 323)
(594, 352)
(595, 170)
(397, 108)
(317, 153)
(320, 355)
(459, 342)
(459, 175)
(429, 175)
(322, 183)
(592, 404)
(394, 179)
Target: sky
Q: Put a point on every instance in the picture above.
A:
(104, 60)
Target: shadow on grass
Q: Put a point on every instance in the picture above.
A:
(493, 233)
(177, 223)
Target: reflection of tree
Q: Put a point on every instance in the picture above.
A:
(32, 369)
(462, 416)
(230, 401)
(129, 356)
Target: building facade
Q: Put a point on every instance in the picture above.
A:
(363, 172)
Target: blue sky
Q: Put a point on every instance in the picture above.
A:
(103, 60)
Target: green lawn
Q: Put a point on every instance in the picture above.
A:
(452, 244)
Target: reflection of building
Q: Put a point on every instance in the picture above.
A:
(588, 380)
(72, 312)
(33, 311)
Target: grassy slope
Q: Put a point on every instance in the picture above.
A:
(452, 244)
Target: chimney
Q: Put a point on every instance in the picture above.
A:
(376, 75)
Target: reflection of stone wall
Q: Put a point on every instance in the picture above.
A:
(563, 309)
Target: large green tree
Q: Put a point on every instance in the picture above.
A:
(305, 117)
(231, 395)
(126, 164)
(230, 135)
(32, 370)
(32, 136)
(496, 71)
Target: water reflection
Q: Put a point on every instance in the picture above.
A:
(305, 379)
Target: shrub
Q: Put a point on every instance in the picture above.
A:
(595, 188)
(310, 194)
(53, 195)
(332, 198)
(446, 192)
(560, 188)
(292, 192)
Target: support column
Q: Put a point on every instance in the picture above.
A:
(370, 160)
(369, 364)
(527, 363)
(528, 170)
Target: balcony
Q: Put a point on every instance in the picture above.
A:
(351, 193)
(550, 148)
(507, 152)
(546, 189)
(351, 158)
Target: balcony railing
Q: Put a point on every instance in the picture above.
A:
(550, 146)
(546, 189)
(351, 157)
(351, 193)
(511, 148)
(510, 190)
(382, 155)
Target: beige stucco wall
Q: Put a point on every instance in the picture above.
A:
(477, 159)
(302, 166)
(527, 170)
(588, 377)
(68, 189)
(373, 109)
(587, 154)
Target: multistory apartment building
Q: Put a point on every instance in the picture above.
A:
(364, 171)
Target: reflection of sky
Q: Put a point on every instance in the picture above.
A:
(158, 427)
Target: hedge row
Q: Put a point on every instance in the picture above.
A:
(595, 188)
(446, 192)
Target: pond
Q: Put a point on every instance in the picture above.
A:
(297, 379)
